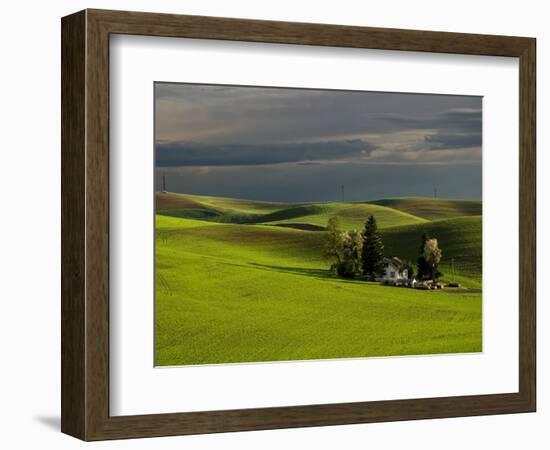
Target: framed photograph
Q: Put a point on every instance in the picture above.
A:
(273, 225)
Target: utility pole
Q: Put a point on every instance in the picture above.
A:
(435, 192)
(164, 183)
(343, 197)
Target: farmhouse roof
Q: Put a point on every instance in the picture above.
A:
(394, 261)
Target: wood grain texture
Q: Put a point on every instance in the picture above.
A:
(201, 27)
(527, 224)
(73, 226)
(97, 226)
(85, 224)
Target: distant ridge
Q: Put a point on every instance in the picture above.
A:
(432, 208)
(305, 216)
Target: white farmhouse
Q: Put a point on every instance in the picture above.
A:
(394, 270)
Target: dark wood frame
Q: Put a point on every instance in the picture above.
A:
(85, 224)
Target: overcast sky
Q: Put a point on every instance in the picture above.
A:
(299, 145)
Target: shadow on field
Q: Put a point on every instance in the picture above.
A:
(314, 273)
(319, 274)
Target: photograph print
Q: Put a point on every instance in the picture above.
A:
(309, 224)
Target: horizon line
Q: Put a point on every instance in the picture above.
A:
(423, 197)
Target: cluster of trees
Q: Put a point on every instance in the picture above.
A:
(361, 254)
(344, 248)
(355, 253)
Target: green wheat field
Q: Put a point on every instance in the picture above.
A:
(246, 281)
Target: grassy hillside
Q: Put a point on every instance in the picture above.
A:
(168, 223)
(217, 209)
(432, 209)
(460, 240)
(240, 292)
(224, 210)
(171, 200)
(351, 215)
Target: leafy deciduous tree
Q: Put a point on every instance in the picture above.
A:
(344, 248)
(432, 255)
(333, 242)
(352, 245)
(422, 266)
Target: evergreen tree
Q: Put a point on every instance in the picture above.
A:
(408, 266)
(373, 250)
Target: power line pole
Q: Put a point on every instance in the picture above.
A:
(435, 192)
(343, 197)
(163, 182)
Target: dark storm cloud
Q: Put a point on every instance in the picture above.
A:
(250, 115)
(172, 90)
(452, 141)
(458, 120)
(322, 182)
(300, 144)
(196, 154)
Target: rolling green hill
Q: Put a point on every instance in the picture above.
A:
(460, 240)
(230, 293)
(240, 280)
(432, 209)
(459, 237)
(223, 210)
(217, 209)
(351, 215)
